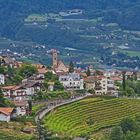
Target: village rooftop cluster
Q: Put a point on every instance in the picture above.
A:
(89, 80)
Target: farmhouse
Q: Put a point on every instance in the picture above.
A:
(72, 81)
(21, 92)
(101, 84)
(6, 114)
(90, 82)
(20, 107)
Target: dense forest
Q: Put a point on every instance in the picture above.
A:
(13, 12)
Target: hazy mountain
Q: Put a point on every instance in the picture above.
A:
(125, 12)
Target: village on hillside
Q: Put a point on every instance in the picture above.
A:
(26, 88)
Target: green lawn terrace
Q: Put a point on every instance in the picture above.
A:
(41, 17)
(36, 18)
(87, 116)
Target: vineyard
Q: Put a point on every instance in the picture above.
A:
(90, 115)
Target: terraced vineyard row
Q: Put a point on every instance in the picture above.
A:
(90, 115)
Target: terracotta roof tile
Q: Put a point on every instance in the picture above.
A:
(8, 87)
(5, 110)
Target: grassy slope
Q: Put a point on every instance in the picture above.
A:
(12, 131)
(73, 119)
(132, 53)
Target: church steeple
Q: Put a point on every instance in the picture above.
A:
(55, 58)
(54, 53)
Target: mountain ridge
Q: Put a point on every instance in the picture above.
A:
(13, 12)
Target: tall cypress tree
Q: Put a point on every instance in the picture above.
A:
(88, 72)
(71, 67)
(30, 106)
(124, 83)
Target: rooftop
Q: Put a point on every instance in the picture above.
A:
(5, 110)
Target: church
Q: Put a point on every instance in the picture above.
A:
(58, 65)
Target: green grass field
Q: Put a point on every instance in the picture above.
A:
(90, 115)
(14, 136)
(12, 131)
(36, 18)
(132, 53)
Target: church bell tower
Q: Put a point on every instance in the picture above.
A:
(54, 58)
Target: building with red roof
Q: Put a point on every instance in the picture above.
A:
(6, 114)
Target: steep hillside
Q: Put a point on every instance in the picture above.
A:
(12, 13)
(90, 115)
(100, 31)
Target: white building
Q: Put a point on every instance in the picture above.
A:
(2, 79)
(5, 114)
(110, 84)
(21, 92)
(20, 107)
(72, 81)
(101, 85)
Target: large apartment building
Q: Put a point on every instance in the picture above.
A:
(72, 81)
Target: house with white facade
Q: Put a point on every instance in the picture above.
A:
(101, 84)
(21, 92)
(6, 114)
(72, 81)
(110, 84)
(21, 107)
(2, 79)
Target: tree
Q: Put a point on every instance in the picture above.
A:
(116, 134)
(5, 102)
(10, 71)
(123, 83)
(138, 88)
(43, 133)
(16, 79)
(26, 70)
(128, 124)
(71, 67)
(2, 70)
(130, 91)
(137, 137)
(130, 136)
(30, 106)
(49, 76)
(88, 72)
(58, 86)
(92, 91)
(2, 100)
